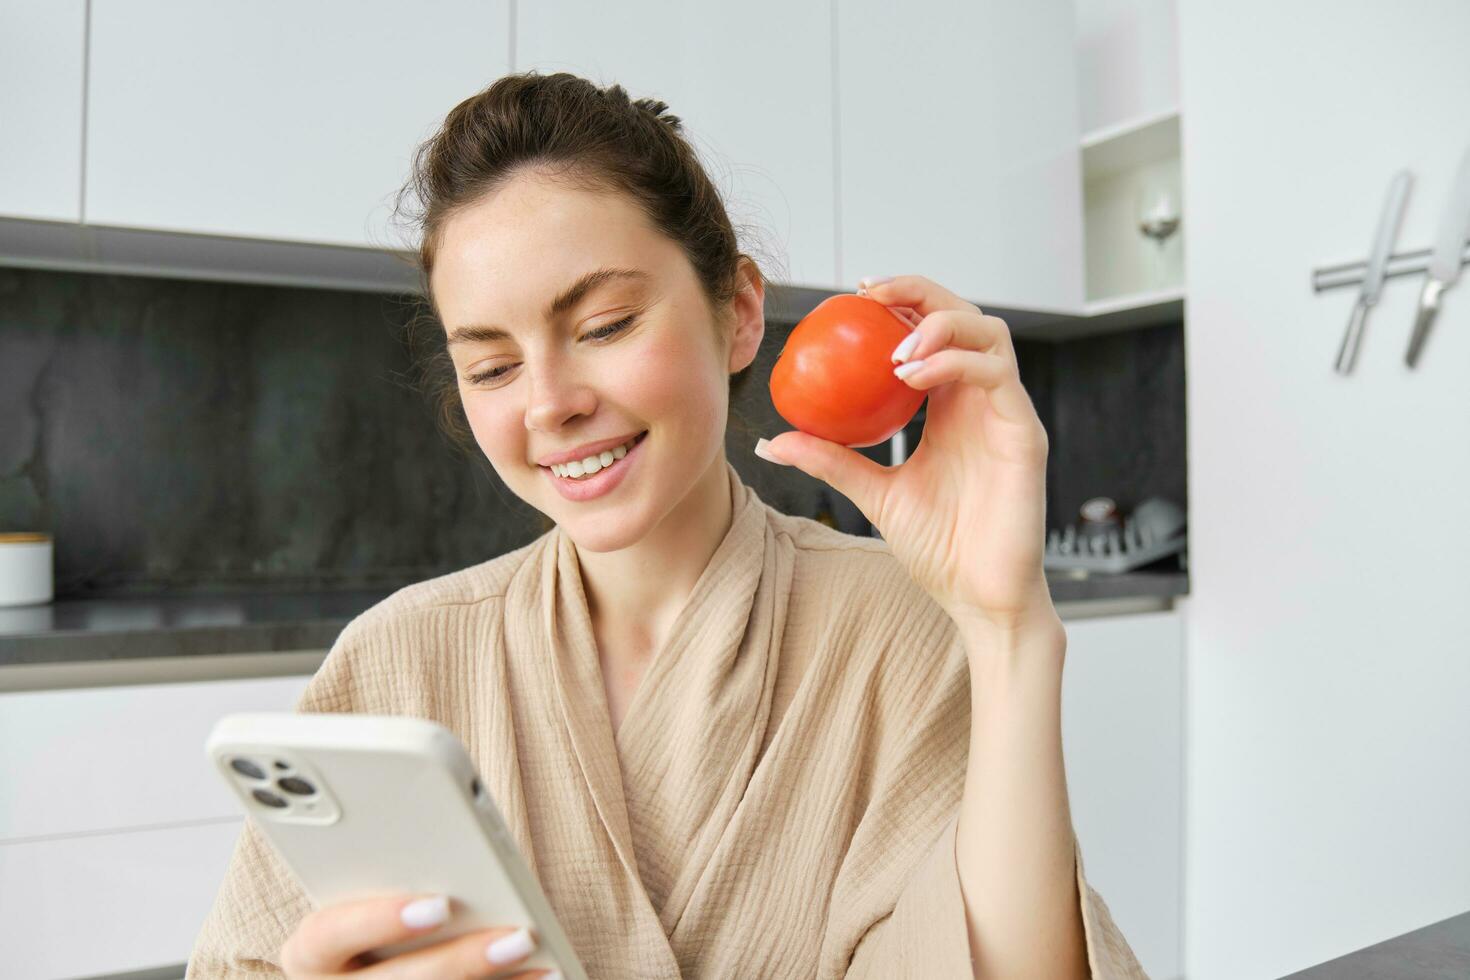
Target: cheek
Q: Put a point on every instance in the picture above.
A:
(499, 433)
(677, 381)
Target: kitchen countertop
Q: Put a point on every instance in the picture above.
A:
(1437, 952)
(107, 629)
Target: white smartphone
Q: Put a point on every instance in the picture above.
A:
(361, 805)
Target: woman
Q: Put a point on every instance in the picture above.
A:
(730, 742)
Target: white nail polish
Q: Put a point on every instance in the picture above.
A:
(904, 370)
(906, 347)
(508, 949)
(432, 911)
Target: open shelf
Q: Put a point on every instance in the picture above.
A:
(1127, 169)
(1125, 145)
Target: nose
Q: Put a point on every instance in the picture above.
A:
(554, 396)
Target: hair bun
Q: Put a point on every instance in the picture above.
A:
(659, 110)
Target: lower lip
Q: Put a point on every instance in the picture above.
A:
(601, 482)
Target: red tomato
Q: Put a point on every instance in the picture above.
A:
(834, 378)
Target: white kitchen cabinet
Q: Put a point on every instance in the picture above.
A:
(113, 826)
(958, 148)
(1127, 61)
(41, 52)
(1122, 727)
(752, 87)
(101, 904)
(275, 120)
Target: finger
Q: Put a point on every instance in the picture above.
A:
(463, 956)
(995, 373)
(846, 470)
(920, 293)
(956, 328)
(328, 938)
(907, 314)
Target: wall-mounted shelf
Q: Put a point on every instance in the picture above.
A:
(1121, 147)
(1126, 169)
(1115, 315)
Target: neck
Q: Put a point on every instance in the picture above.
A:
(640, 590)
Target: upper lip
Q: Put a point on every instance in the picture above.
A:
(587, 449)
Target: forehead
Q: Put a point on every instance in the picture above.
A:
(504, 257)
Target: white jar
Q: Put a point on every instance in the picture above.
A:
(25, 569)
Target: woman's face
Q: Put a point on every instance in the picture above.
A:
(628, 356)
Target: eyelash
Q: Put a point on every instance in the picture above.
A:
(601, 333)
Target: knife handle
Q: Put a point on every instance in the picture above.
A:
(1348, 353)
(1424, 318)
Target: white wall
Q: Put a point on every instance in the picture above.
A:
(1327, 712)
(1127, 60)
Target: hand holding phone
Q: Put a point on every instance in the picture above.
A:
(335, 940)
(377, 816)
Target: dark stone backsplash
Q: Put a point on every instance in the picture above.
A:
(192, 436)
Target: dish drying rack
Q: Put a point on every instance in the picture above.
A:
(1155, 530)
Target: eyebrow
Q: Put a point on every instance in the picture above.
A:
(568, 298)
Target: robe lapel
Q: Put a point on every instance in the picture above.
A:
(667, 786)
(694, 728)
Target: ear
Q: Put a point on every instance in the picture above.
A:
(749, 312)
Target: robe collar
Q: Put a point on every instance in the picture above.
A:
(666, 786)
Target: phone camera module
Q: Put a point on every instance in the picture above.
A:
(268, 798)
(247, 768)
(296, 785)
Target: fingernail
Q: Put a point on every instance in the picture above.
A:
(906, 347)
(763, 450)
(868, 282)
(431, 911)
(904, 370)
(507, 949)
(553, 975)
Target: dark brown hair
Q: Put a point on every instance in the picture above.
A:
(565, 128)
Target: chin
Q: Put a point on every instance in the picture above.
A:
(596, 537)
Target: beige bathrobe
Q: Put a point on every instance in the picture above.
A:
(779, 802)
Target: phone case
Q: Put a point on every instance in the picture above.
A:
(358, 805)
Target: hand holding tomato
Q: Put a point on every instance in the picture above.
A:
(966, 511)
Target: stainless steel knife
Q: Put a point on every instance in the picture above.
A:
(1444, 264)
(1388, 230)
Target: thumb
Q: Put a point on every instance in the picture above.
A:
(845, 470)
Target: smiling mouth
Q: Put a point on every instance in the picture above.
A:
(593, 464)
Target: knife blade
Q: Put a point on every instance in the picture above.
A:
(1388, 229)
(1444, 264)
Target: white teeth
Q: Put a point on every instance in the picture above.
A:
(586, 467)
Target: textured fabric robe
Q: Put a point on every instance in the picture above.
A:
(781, 799)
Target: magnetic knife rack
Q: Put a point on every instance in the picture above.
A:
(1399, 264)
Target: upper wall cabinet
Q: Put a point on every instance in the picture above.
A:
(41, 51)
(1127, 61)
(275, 119)
(958, 136)
(752, 86)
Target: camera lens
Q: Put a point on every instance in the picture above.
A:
(282, 765)
(297, 785)
(268, 798)
(247, 768)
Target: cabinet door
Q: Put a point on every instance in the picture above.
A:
(1122, 726)
(41, 74)
(751, 84)
(958, 156)
(110, 758)
(115, 831)
(104, 904)
(274, 119)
